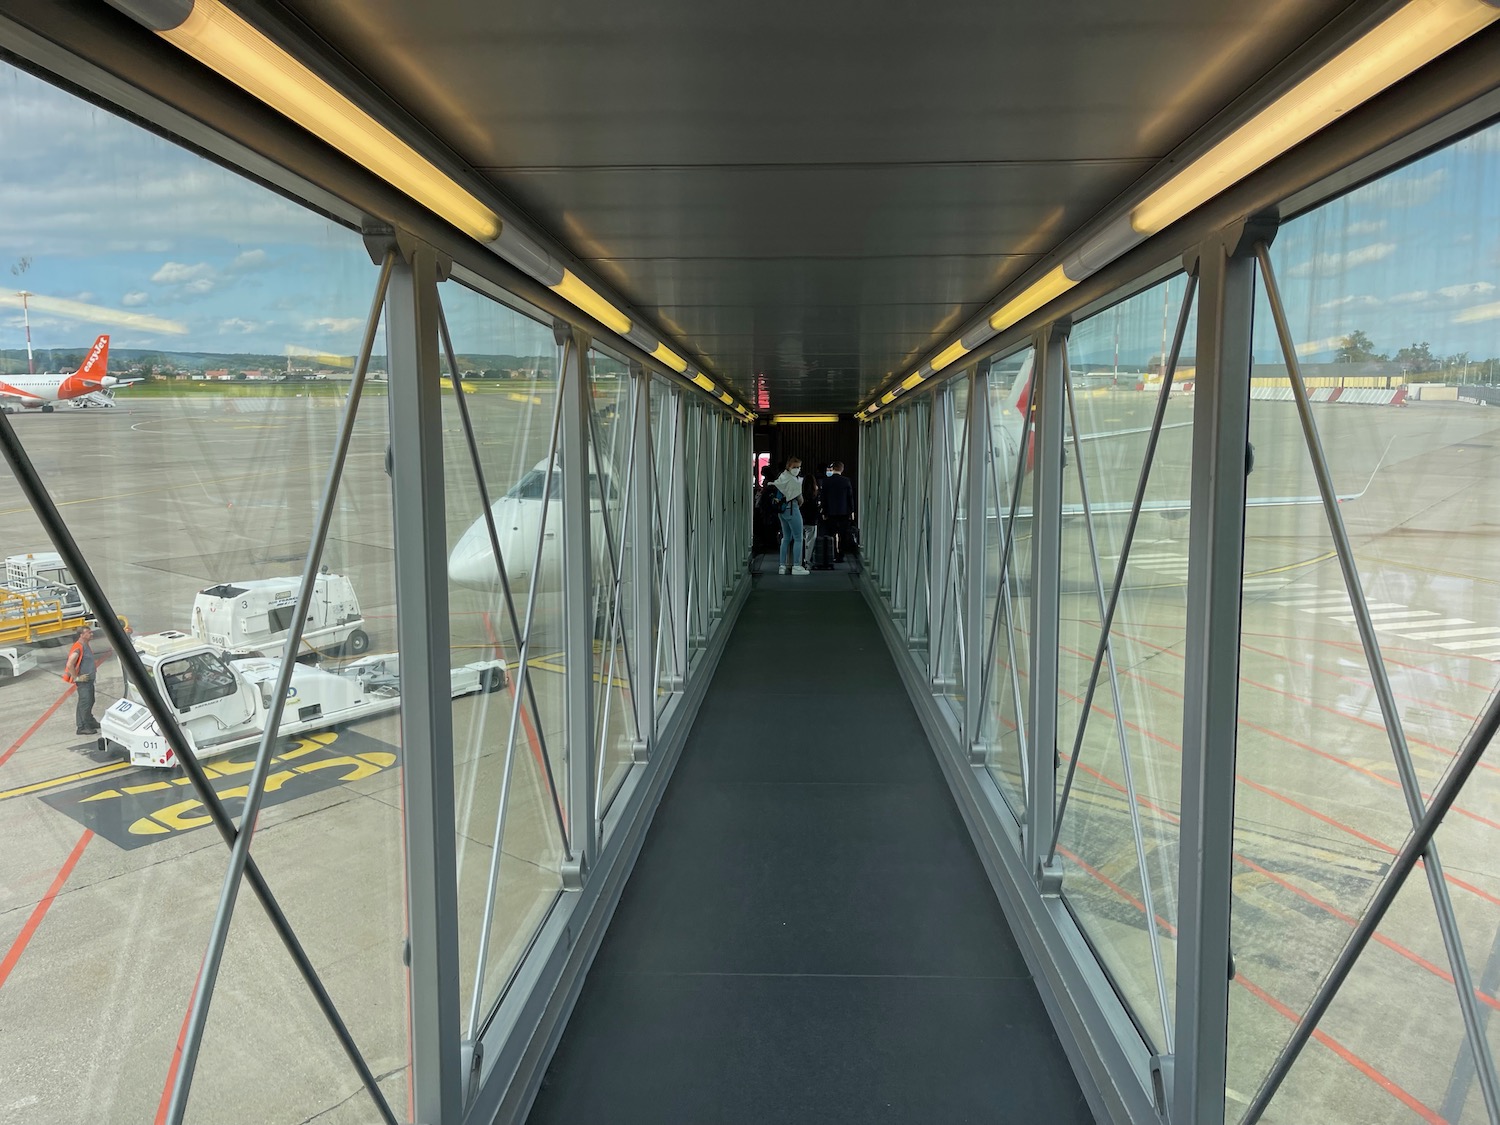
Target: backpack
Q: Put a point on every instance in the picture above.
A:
(772, 500)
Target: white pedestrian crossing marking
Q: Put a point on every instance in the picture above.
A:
(1455, 634)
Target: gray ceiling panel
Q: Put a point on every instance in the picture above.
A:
(811, 197)
(848, 211)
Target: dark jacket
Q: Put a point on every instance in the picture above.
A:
(837, 496)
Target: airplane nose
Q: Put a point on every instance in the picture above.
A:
(472, 563)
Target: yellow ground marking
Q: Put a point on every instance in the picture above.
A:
(58, 782)
(1431, 570)
(563, 671)
(307, 744)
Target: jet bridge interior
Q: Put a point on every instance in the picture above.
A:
(1127, 764)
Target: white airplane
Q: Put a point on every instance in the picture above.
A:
(518, 519)
(40, 392)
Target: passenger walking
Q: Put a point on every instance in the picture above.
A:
(838, 507)
(79, 671)
(809, 518)
(789, 484)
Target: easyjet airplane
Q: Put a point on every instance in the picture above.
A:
(39, 392)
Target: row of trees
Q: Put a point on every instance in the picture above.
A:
(1357, 347)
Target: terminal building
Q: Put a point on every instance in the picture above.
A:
(1117, 753)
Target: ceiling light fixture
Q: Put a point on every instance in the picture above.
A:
(783, 418)
(1409, 38)
(227, 44)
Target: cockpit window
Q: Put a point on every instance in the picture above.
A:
(532, 485)
(200, 678)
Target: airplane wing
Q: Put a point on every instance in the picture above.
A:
(1123, 507)
(9, 396)
(1099, 435)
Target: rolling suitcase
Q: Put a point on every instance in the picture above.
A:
(822, 553)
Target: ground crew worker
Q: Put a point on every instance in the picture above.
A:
(80, 671)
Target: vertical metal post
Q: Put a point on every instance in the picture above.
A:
(1046, 560)
(642, 561)
(421, 536)
(939, 469)
(1192, 1082)
(577, 596)
(675, 534)
(974, 635)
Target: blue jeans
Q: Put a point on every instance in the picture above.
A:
(791, 536)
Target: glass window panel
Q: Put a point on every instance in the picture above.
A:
(1390, 299)
(952, 529)
(234, 315)
(613, 538)
(1007, 575)
(667, 529)
(509, 742)
(1118, 836)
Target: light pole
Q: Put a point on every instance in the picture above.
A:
(26, 317)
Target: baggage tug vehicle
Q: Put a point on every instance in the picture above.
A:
(222, 699)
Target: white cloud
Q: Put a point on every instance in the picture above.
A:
(200, 286)
(134, 299)
(1370, 226)
(333, 324)
(86, 295)
(238, 324)
(1478, 313)
(176, 273)
(1337, 261)
(1405, 191)
(1468, 289)
(249, 260)
(1413, 297)
(1352, 300)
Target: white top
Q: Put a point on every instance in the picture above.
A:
(789, 485)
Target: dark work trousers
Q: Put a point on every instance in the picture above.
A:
(84, 723)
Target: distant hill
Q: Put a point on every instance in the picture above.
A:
(13, 360)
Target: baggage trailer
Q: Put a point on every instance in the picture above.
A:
(40, 606)
(257, 614)
(222, 700)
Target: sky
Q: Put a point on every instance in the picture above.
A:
(118, 230)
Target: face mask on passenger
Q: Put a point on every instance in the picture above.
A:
(828, 472)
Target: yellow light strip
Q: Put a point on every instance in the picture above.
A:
(670, 358)
(223, 42)
(888, 397)
(912, 380)
(1044, 289)
(948, 355)
(573, 290)
(779, 418)
(726, 398)
(1409, 38)
(706, 383)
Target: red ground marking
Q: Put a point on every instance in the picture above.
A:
(1283, 658)
(1347, 1055)
(18, 946)
(526, 723)
(47, 714)
(36, 726)
(172, 1068)
(1307, 896)
(1388, 781)
(1388, 1085)
(1445, 751)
